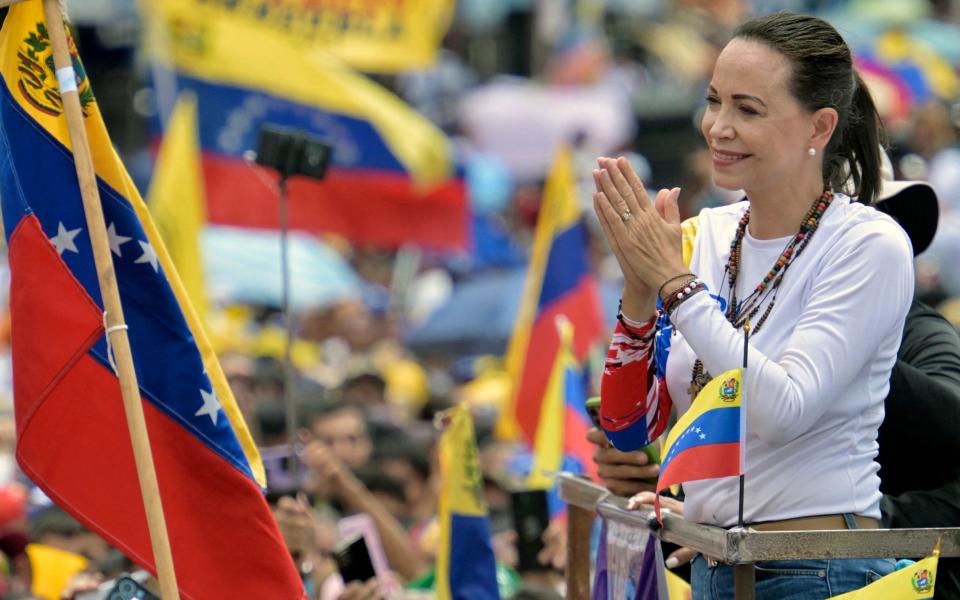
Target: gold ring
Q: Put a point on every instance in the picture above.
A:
(626, 216)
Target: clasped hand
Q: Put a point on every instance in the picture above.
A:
(645, 237)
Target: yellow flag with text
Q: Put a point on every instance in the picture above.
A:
(378, 37)
(466, 568)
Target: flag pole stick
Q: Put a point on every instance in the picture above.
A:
(743, 418)
(116, 330)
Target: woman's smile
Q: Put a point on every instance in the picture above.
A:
(725, 158)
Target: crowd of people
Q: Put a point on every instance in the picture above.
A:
(363, 454)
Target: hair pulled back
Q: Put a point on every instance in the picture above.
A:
(822, 75)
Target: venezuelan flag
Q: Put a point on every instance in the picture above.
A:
(562, 427)
(466, 569)
(559, 282)
(392, 179)
(706, 442)
(72, 437)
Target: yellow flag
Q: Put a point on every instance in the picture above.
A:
(465, 561)
(915, 582)
(677, 588)
(380, 37)
(53, 568)
(176, 200)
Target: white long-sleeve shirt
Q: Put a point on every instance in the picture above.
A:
(818, 370)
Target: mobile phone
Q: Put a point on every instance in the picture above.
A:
(125, 587)
(593, 409)
(353, 560)
(531, 517)
(128, 588)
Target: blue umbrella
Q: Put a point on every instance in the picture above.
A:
(243, 265)
(477, 319)
(480, 315)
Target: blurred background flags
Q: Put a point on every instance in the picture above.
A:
(563, 425)
(177, 200)
(466, 569)
(376, 37)
(559, 282)
(392, 179)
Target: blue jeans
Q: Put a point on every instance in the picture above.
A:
(812, 579)
(790, 579)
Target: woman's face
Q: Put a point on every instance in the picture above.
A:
(757, 131)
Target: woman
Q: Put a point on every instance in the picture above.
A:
(824, 281)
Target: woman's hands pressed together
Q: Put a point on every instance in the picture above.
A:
(644, 237)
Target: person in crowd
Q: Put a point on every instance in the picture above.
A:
(337, 445)
(365, 388)
(388, 490)
(923, 405)
(341, 427)
(407, 461)
(327, 473)
(789, 122)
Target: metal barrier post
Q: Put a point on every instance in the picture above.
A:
(579, 525)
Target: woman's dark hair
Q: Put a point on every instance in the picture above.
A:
(823, 76)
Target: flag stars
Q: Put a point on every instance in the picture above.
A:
(211, 406)
(148, 256)
(64, 239)
(115, 239)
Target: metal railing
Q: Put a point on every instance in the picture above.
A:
(741, 548)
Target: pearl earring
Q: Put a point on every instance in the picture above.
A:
(812, 151)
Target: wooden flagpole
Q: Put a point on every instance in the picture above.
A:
(116, 330)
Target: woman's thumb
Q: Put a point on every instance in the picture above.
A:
(671, 209)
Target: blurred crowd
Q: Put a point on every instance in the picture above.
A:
(423, 331)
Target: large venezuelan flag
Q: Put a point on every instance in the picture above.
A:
(392, 178)
(707, 440)
(72, 437)
(559, 282)
(466, 568)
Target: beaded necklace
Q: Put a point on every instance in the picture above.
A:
(739, 311)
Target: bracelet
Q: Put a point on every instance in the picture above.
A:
(674, 278)
(678, 289)
(675, 299)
